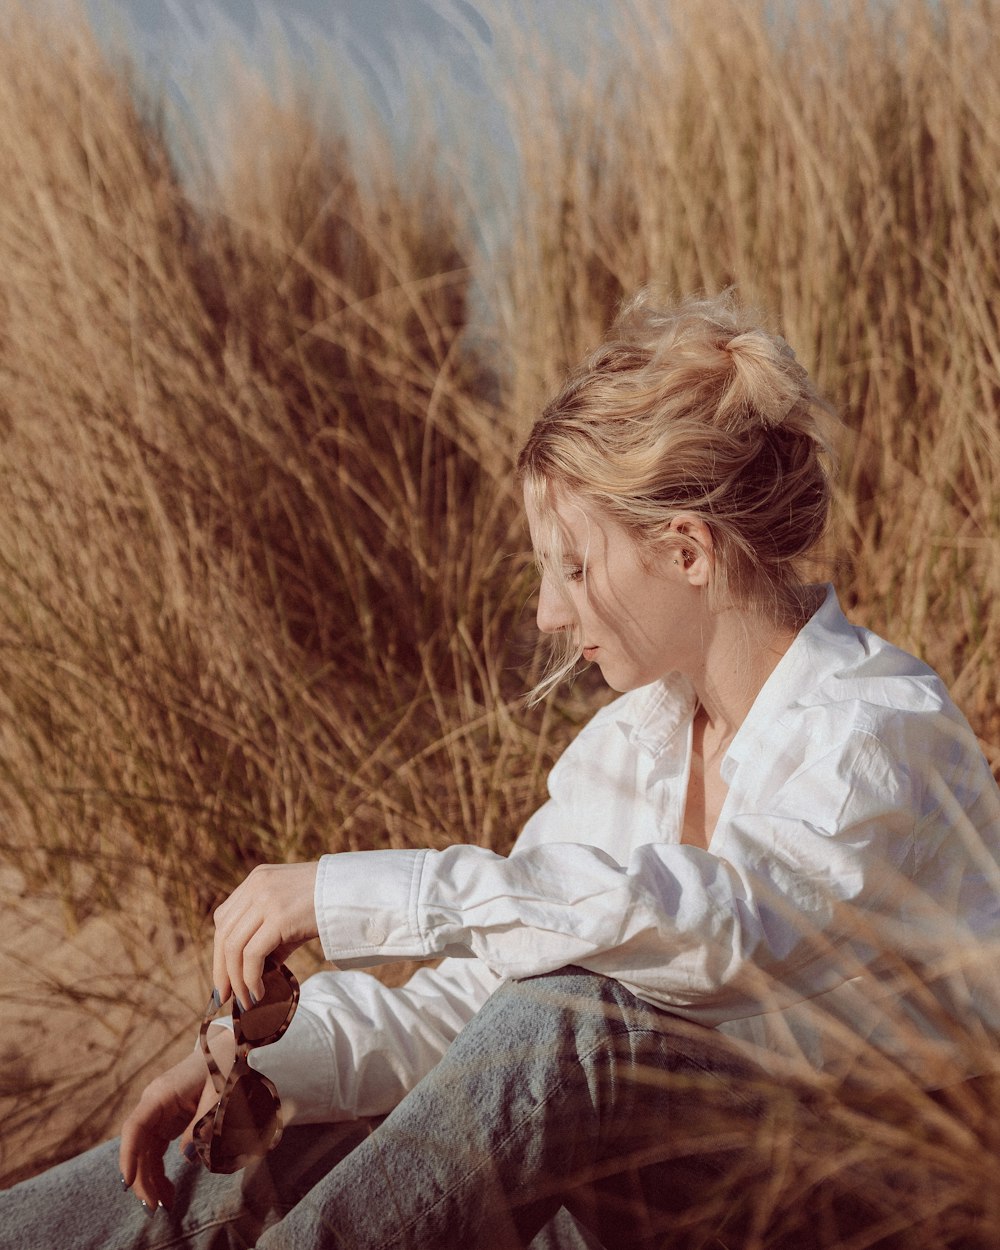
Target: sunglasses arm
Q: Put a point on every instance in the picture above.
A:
(218, 1080)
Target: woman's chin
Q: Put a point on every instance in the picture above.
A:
(618, 681)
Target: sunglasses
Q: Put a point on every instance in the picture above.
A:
(246, 1121)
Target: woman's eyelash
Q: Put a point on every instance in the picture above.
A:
(574, 574)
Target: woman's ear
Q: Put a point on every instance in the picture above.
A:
(695, 555)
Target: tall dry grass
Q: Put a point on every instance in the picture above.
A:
(262, 577)
(840, 164)
(258, 548)
(263, 589)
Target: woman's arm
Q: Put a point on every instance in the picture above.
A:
(356, 1046)
(783, 903)
(168, 1108)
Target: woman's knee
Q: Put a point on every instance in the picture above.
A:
(569, 999)
(598, 1011)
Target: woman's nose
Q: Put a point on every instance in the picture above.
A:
(553, 612)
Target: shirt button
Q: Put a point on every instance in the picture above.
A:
(373, 933)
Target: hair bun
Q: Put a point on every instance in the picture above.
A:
(767, 382)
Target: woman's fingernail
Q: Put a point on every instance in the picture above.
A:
(216, 998)
(239, 1003)
(147, 1208)
(190, 1151)
(254, 1000)
(125, 1184)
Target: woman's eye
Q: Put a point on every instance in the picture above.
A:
(574, 574)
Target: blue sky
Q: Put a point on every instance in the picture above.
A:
(348, 53)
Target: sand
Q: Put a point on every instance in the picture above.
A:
(89, 1013)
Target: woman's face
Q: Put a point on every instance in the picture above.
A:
(636, 614)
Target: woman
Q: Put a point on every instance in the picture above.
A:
(751, 865)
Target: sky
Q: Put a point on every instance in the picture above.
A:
(346, 57)
(348, 54)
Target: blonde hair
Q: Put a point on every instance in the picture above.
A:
(693, 408)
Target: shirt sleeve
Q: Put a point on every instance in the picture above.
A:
(716, 932)
(355, 1047)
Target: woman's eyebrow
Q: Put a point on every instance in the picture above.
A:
(568, 557)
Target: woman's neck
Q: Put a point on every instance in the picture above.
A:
(741, 653)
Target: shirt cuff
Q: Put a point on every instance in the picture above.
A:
(303, 1066)
(366, 907)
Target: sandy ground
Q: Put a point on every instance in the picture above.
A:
(88, 1013)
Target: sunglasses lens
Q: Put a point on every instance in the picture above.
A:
(249, 1124)
(272, 1011)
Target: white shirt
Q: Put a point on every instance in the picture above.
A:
(852, 880)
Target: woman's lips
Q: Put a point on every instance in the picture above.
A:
(589, 653)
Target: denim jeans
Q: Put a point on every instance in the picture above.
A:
(567, 1114)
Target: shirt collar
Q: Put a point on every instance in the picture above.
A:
(653, 715)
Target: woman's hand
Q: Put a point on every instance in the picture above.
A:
(271, 913)
(169, 1107)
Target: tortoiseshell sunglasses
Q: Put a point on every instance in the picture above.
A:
(246, 1121)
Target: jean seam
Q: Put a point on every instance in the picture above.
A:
(182, 1238)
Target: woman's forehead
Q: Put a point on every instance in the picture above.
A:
(548, 506)
(561, 520)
